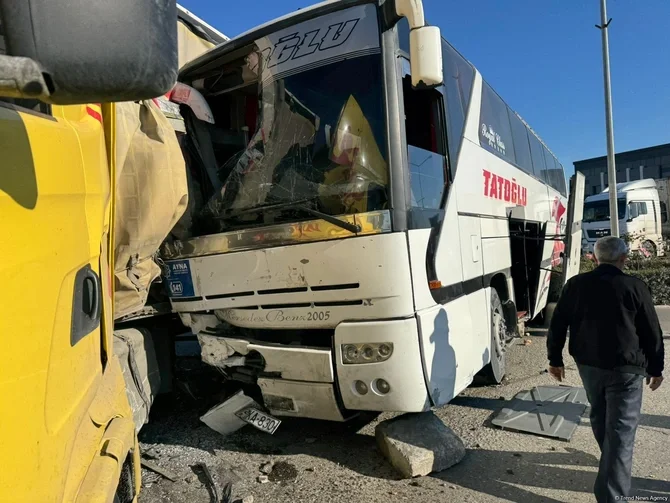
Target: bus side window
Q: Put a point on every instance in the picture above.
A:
(424, 128)
(664, 212)
(458, 79)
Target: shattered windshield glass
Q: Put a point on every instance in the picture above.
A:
(319, 140)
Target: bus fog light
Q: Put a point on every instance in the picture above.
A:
(384, 350)
(366, 352)
(360, 387)
(381, 386)
(350, 353)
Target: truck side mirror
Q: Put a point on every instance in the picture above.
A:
(88, 51)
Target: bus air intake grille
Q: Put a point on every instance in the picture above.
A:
(230, 295)
(286, 306)
(282, 290)
(338, 303)
(185, 299)
(346, 286)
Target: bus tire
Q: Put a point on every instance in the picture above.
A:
(495, 369)
(650, 247)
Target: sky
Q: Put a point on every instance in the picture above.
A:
(544, 57)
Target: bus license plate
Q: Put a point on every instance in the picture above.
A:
(258, 419)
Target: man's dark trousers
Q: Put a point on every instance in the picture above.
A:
(616, 399)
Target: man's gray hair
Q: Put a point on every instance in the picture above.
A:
(610, 249)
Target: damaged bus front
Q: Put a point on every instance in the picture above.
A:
(327, 264)
(290, 256)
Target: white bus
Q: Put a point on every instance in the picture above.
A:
(361, 243)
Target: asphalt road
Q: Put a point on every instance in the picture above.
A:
(327, 462)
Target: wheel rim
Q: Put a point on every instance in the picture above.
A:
(499, 329)
(649, 248)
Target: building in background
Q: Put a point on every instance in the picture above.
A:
(650, 162)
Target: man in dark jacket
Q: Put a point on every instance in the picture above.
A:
(616, 340)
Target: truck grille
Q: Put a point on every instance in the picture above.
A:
(597, 233)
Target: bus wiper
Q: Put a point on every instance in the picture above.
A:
(353, 228)
(301, 205)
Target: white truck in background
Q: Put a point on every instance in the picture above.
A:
(641, 214)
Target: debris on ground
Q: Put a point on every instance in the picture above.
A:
(266, 468)
(262, 479)
(419, 444)
(150, 454)
(527, 342)
(283, 472)
(211, 484)
(157, 469)
(222, 418)
(553, 411)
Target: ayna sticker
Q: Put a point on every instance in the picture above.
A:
(178, 279)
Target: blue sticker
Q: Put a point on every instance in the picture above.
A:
(178, 279)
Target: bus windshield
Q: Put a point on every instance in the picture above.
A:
(320, 140)
(598, 211)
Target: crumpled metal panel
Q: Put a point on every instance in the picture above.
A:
(551, 411)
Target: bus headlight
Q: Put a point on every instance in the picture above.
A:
(366, 352)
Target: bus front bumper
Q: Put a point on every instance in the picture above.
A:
(315, 383)
(403, 371)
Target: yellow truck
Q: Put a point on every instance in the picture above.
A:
(66, 426)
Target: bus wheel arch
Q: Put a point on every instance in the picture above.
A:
(500, 285)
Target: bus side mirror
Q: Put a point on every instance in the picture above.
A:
(425, 45)
(88, 51)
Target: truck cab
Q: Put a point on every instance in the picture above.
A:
(640, 217)
(66, 430)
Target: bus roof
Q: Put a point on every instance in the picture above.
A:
(264, 29)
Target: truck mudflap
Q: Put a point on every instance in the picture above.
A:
(573, 229)
(103, 474)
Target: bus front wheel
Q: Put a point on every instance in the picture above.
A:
(495, 370)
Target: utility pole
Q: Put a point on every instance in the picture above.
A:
(611, 166)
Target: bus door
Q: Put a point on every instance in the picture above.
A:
(573, 231)
(540, 268)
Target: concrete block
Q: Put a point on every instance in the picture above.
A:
(419, 444)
